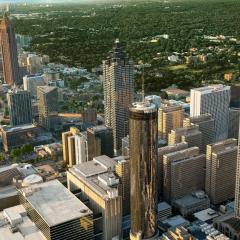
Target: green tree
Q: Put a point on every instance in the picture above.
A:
(26, 148)
(16, 152)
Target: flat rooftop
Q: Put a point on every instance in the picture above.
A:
(206, 215)
(46, 89)
(98, 175)
(18, 128)
(27, 230)
(8, 191)
(176, 221)
(190, 200)
(100, 128)
(211, 89)
(54, 203)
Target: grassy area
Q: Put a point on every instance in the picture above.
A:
(178, 67)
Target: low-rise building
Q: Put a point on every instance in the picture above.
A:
(164, 211)
(14, 137)
(190, 204)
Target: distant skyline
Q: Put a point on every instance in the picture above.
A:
(52, 1)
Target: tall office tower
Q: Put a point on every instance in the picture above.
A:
(31, 82)
(237, 188)
(235, 96)
(99, 187)
(74, 147)
(57, 212)
(47, 106)
(143, 171)
(234, 112)
(183, 173)
(123, 172)
(169, 118)
(34, 64)
(206, 126)
(118, 87)
(125, 146)
(9, 52)
(100, 141)
(161, 152)
(81, 147)
(89, 116)
(191, 135)
(20, 107)
(233, 126)
(1, 67)
(214, 100)
(221, 164)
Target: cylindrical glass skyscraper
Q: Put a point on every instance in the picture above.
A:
(143, 167)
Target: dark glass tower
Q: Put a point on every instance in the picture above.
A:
(9, 52)
(143, 162)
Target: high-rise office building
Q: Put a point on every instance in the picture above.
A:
(235, 96)
(143, 169)
(123, 172)
(183, 173)
(47, 106)
(31, 82)
(169, 118)
(206, 126)
(233, 126)
(74, 147)
(57, 212)
(161, 152)
(34, 64)
(20, 107)
(9, 52)
(237, 187)
(215, 100)
(81, 147)
(190, 134)
(89, 117)
(221, 162)
(99, 188)
(118, 87)
(100, 141)
(125, 146)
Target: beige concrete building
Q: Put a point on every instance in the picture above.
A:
(190, 134)
(169, 118)
(161, 152)
(98, 187)
(206, 126)
(221, 163)
(68, 142)
(183, 173)
(123, 172)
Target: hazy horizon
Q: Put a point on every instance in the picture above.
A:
(53, 1)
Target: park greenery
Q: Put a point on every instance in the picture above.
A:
(17, 153)
(82, 35)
